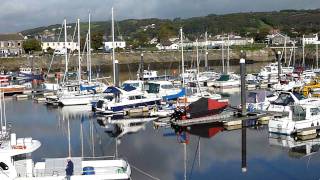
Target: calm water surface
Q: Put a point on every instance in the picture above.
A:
(159, 152)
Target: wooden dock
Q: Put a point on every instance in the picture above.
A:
(228, 118)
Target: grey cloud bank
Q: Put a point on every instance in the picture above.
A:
(17, 15)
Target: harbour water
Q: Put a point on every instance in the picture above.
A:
(211, 153)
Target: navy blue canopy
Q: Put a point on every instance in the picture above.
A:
(113, 90)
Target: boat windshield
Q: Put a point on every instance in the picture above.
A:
(167, 86)
(224, 77)
(131, 84)
(284, 99)
(153, 88)
(299, 96)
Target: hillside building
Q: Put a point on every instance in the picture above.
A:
(11, 44)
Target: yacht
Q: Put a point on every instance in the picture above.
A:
(226, 81)
(280, 102)
(300, 117)
(118, 100)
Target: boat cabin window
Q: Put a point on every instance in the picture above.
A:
(315, 111)
(298, 113)
(167, 86)
(153, 88)
(131, 84)
(4, 166)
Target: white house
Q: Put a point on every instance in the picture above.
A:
(167, 46)
(310, 39)
(59, 45)
(153, 41)
(117, 44)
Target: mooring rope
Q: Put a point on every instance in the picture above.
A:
(144, 173)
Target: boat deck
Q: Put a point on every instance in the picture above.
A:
(57, 166)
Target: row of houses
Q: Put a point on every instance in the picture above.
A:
(12, 44)
(217, 41)
(281, 39)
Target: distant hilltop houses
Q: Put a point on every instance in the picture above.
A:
(211, 42)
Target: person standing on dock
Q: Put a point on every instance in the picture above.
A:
(69, 169)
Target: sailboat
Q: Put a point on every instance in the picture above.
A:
(226, 79)
(77, 93)
(199, 94)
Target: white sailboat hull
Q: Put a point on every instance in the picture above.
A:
(78, 100)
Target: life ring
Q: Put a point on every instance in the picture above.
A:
(19, 147)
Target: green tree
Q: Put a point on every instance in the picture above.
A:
(166, 31)
(31, 45)
(96, 40)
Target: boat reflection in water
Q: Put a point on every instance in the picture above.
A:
(75, 112)
(117, 128)
(206, 131)
(296, 149)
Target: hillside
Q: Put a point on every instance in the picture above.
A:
(252, 24)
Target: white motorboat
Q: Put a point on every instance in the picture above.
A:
(119, 100)
(299, 118)
(226, 81)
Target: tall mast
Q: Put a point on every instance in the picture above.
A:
(66, 49)
(228, 54)
(113, 47)
(206, 49)
(317, 55)
(294, 54)
(303, 59)
(198, 63)
(182, 58)
(89, 47)
(222, 54)
(79, 53)
(285, 49)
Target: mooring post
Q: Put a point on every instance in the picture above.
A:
(279, 65)
(116, 68)
(244, 149)
(243, 86)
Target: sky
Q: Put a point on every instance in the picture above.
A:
(18, 15)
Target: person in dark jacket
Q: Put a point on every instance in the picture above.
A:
(69, 168)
